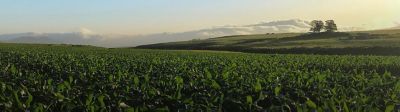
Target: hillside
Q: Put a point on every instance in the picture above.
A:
(40, 46)
(382, 42)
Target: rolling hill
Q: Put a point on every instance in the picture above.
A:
(379, 42)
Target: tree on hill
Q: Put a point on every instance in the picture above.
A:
(317, 26)
(330, 26)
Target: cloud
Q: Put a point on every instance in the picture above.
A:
(283, 26)
(397, 25)
(86, 31)
(350, 28)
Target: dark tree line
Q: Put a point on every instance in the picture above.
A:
(318, 26)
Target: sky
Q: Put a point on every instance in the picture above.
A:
(137, 17)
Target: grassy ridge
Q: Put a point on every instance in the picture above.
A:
(384, 42)
(65, 78)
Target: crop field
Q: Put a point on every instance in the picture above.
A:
(82, 78)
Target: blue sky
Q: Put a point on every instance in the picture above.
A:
(152, 16)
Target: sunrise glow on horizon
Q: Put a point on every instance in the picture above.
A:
(154, 16)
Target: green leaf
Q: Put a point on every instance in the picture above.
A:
(346, 108)
(29, 100)
(397, 86)
(67, 85)
(39, 108)
(3, 87)
(20, 105)
(130, 109)
(249, 100)
(387, 75)
(50, 82)
(208, 74)
(59, 96)
(257, 86)
(332, 106)
(162, 109)
(178, 80)
(147, 78)
(101, 101)
(89, 99)
(71, 79)
(91, 108)
(225, 73)
(311, 104)
(13, 69)
(389, 108)
(277, 90)
(110, 78)
(136, 81)
(299, 108)
(60, 87)
(215, 85)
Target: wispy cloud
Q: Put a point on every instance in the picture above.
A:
(282, 26)
(397, 23)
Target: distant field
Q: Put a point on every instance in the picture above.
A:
(85, 78)
(383, 42)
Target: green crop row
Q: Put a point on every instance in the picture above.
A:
(56, 78)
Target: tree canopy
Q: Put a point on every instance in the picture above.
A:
(330, 26)
(318, 26)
